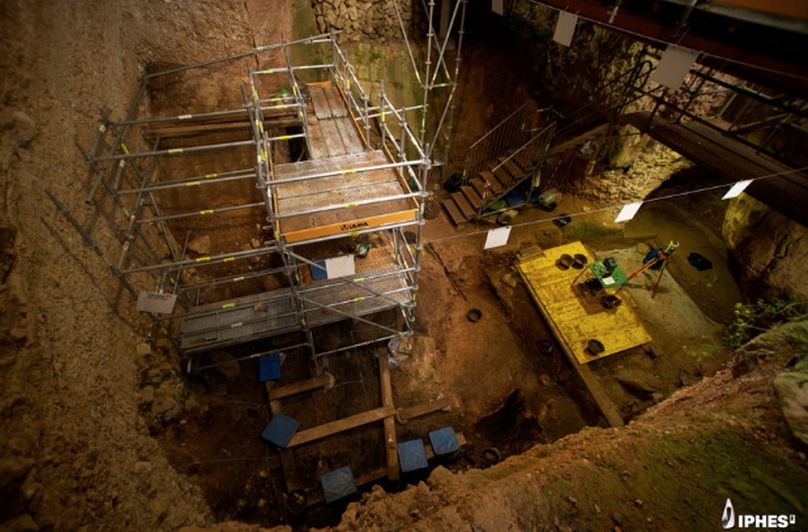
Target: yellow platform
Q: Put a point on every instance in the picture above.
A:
(576, 319)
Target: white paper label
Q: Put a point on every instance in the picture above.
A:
(156, 302)
(340, 266)
(628, 211)
(674, 66)
(565, 28)
(497, 237)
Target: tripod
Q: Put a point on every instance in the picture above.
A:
(660, 257)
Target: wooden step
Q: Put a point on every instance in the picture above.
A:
(493, 183)
(464, 205)
(474, 199)
(479, 185)
(505, 178)
(454, 212)
(522, 160)
(513, 169)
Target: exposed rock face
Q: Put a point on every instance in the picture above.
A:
(771, 249)
(360, 19)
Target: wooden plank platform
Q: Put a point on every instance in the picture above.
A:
(577, 321)
(341, 191)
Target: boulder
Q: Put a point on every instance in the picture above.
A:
(200, 245)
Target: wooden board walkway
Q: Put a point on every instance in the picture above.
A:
(574, 322)
(331, 131)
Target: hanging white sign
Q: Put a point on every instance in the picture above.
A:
(497, 237)
(340, 266)
(156, 302)
(676, 62)
(565, 28)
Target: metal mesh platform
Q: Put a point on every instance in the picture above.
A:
(239, 320)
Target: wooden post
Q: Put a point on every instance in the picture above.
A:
(389, 422)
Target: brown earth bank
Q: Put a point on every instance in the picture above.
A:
(671, 469)
(74, 450)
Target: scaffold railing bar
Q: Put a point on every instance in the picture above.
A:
(280, 70)
(374, 111)
(117, 200)
(354, 233)
(315, 39)
(177, 151)
(361, 344)
(130, 231)
(350, 205)
(345, 171)
(406, 127)
(349, 69)
(189, 117)
(229, 306)
(345, 314)
(206, 260)
(240, 323)
(406, 244)
(381, 295)
(130, 114)
(205, 212)
(355, 280)
(235, 278)
(254, 355)
(207, 179)
(342, 280)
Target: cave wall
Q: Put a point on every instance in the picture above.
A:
(770, 249)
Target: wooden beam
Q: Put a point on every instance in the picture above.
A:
(288, 464)
(341, 425)
(306, 385)
(405, 414)
(389, 422)
(591, 381)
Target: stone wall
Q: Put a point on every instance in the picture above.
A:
(360, 19)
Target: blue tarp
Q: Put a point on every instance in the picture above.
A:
(444, 441)
(280, 430)
(412, 455)
(316, 273)
(269, 368)
(338, 483)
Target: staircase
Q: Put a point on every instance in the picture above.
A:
(489, 186)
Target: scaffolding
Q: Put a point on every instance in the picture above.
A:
(336, 174)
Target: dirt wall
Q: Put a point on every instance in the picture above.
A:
(75, 451)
